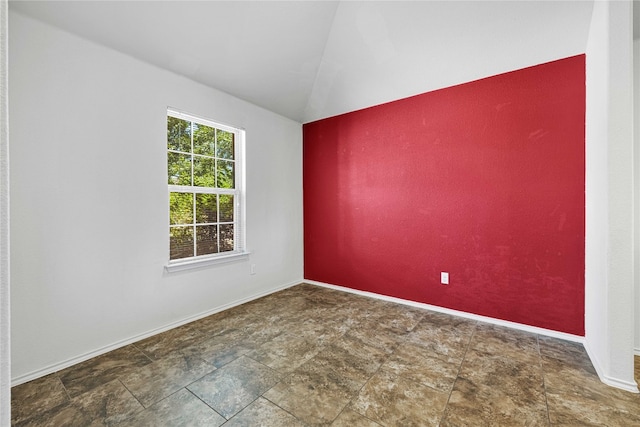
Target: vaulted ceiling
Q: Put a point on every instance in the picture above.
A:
(308, 60)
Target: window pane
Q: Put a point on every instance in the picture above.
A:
(226, 208)
(181, 242)
(178, 135)
(203, 172)
(201, 164)
(181, 208)
(206, 208)
(225, 174)
(225, 145)
(204, 140)
(179, 169)
(207, 239)
(226, 237)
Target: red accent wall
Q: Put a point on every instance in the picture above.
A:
(484, 180)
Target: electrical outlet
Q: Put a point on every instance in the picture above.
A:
(253, 269)
(444, 278)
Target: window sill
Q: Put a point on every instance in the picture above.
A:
(193, 263)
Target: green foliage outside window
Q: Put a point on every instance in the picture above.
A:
(200, 157)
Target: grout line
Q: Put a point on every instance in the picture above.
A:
(275, 404)
(464, 356)
(341, 411)
(357, 393)
(59, 378)
(142, 352)
(544, 381)
(134, 396)
(456, 313)
(399, 341)
(212, 408)
(241, 410)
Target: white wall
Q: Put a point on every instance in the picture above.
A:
(609, 259)
(89, 230)
(378, 52)
(636, 170)
(5, 321)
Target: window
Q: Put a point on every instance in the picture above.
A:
(204, 163)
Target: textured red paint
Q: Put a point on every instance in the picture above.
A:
(484, 180)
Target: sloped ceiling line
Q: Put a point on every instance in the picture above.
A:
(309, 60)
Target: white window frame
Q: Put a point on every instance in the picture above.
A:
(240, 252)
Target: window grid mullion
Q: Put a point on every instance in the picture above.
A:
(196, 190)
(195, 230)
(218, 220)
(215, 160)
(201, 190)
(191, 141)
(235, 197)
(193, 226)
(215, 181)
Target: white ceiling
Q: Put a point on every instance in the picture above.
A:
(308, 60)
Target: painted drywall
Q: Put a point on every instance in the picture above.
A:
(5, 320)
(380, 51)
(332, 56)
(483, 180)
(609, 280)
(636, 171)
(596, 215)
(89, 198)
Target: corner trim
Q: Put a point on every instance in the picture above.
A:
(631, 387)
(5, 226)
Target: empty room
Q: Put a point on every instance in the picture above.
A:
(314, 213)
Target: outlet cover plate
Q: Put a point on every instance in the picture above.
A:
(444, 278)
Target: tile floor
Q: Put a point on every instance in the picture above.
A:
(311, 356)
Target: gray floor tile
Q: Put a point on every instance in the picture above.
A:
(231, 388)
(181, 409)
(312, 356)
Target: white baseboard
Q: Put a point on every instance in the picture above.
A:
(630, 386)
(624, 385)
(89, 355)
(614, 382)
(512, 325)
